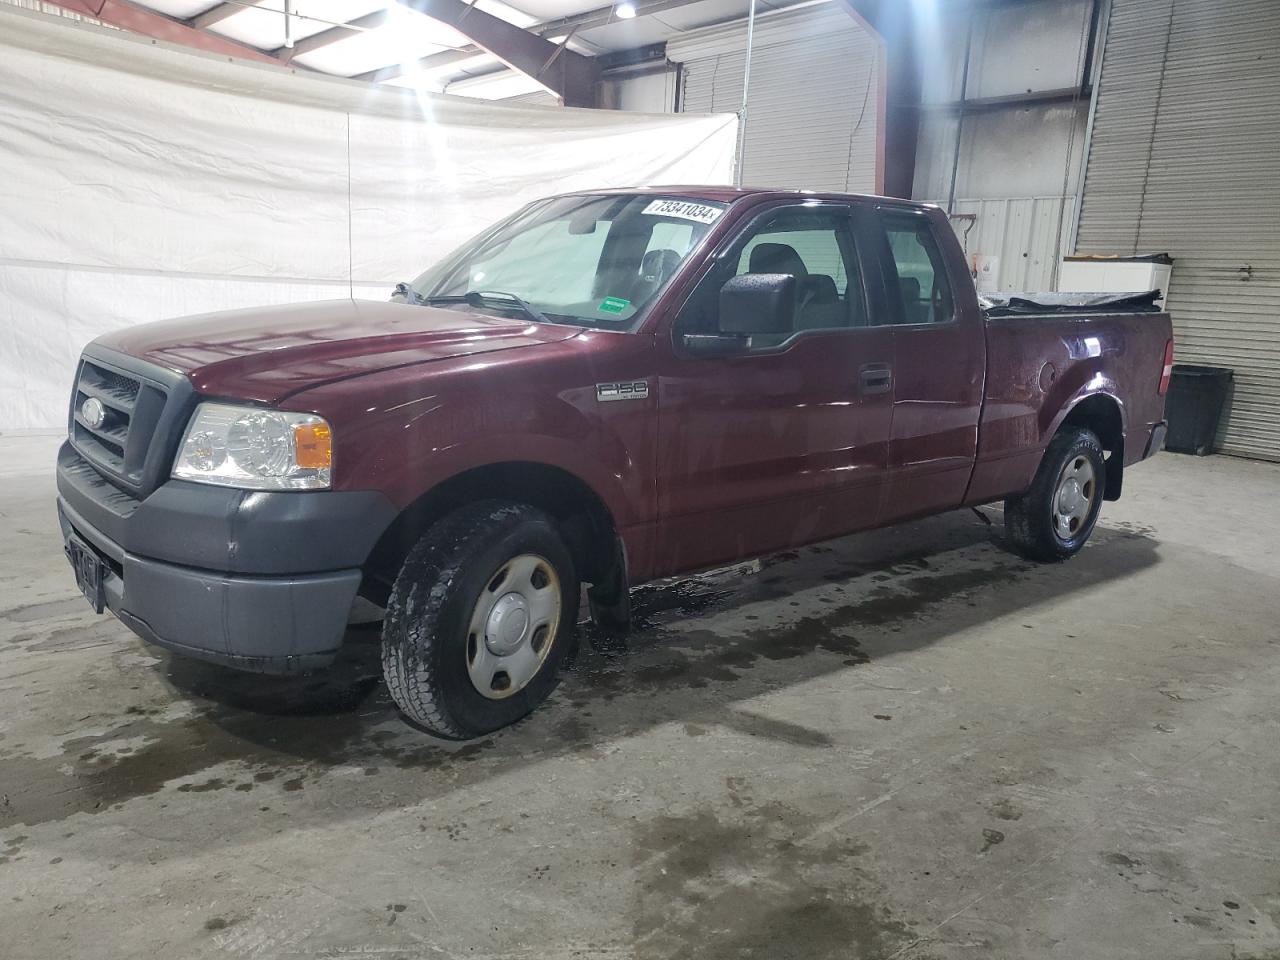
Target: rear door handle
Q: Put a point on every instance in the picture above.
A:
(875, 378)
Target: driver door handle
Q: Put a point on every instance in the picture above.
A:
(875, 378)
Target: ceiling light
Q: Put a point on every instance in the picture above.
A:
(625, 10)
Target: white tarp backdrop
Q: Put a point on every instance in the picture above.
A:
(139, 182)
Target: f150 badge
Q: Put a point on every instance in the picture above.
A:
(626, 390)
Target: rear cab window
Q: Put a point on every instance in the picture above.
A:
(919, 289)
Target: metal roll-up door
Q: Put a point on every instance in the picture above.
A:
(1184, 158)
(814, 109)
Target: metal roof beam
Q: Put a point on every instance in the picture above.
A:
(1032, 98)
(216, 14)
(432, 61)
(604, 15)
(325, 38)
(567, 75)
(158, 26)
(582, 21)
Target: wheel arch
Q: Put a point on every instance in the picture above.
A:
(1102, 413)
(584, 518)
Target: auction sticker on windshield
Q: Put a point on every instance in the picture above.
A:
(697, 212)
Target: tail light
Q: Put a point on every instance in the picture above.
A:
(1167, 372)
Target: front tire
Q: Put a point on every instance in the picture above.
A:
(1053, 519)
(481, 616)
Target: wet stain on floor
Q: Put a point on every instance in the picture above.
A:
(681, 598)
(259, 730)
(694, 658)
(757, 882)
(264, 727)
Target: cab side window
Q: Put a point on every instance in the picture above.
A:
(818, 251)
(815, 245)
(917, 274)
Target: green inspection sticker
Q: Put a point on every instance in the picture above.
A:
(613, 305)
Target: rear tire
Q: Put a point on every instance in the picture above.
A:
(1053, 519)
(480, 618)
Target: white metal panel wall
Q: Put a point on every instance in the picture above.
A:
(1018, 151)
(1026, 235)
(645, 91)
(1185, 158)
(812, 118)
(1037, 45)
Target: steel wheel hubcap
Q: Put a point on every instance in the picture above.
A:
(1074, 498)
(512, 626)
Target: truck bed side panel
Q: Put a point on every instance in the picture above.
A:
(1040, 367)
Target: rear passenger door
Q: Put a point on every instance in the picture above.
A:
(939, 356)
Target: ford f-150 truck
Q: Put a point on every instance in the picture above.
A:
(603, 389)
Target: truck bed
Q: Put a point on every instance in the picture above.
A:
(1045, 304)
(1048, 352)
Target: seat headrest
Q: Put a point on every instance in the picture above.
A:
(777, 258)
(657, 266)
(821, 288)
(910, 288)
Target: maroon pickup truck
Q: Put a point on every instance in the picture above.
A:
(603, 389)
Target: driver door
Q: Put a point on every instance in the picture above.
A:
(785, 442)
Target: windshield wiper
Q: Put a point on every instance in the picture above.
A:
(478, 298)
(486, 298)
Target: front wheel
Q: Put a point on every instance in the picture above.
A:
(480, 618)
(1054, 518)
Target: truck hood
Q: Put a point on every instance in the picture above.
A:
(267, 353)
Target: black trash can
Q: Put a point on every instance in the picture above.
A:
(1194, 407)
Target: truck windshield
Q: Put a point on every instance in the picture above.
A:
(587, 260)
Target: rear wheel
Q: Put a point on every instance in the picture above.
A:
(480, 618)
(1054, 518)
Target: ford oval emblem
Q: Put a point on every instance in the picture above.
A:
(93, 413)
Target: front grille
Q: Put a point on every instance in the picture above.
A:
(119, 397)
(118, 446)
(80, 472)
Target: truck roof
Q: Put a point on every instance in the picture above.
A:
(726, 194)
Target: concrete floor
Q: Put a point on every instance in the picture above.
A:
(907, 744)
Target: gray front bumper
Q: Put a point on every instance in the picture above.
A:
(269, 624)
(259, 581)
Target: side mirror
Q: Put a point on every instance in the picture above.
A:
(758, 303)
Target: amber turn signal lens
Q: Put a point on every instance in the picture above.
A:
(313, 445)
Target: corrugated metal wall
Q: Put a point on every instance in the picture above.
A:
(1185, 158)
(999, 133)
(1026, 236)
(814, 100)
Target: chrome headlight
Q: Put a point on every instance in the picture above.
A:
(255, 449)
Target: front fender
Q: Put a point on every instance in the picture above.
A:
(406, 433)
(602, 474)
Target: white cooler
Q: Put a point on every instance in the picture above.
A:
(1096, 273)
